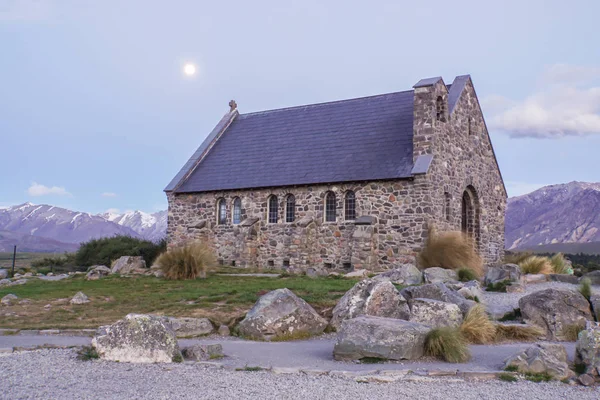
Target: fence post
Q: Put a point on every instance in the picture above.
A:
(14, 258)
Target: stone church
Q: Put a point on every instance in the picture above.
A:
(345, 184)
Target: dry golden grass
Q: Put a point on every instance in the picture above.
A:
(451, 250)
(447, 344)
(516, 258)
(536, 265)
(477, 327)
(559, 263)
(187, 262)
(571, 332)
(521, 333)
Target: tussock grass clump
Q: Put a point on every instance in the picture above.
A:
(521, 333)
(516, 258)
(466, 275)
(187, 262)
(506, 377)
(538, 377)
(448, 344)
(451, 250)
(571, 332)
(536, 265)
(477, 327)
(559, 264)
(87, 353)
(585, 288)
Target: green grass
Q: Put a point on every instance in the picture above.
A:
(511, 316)
(250, 369)
(466, 275)
(221, 298)
(511, 368)
(177, 358)
(586, 288)
(506, 377)
(579, 368)
(542, 377)
(23, 260)
(498, 286)
(87, 353)
(372, 360)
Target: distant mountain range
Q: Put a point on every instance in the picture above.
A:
(49, 228)
(565, 213)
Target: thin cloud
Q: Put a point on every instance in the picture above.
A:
(568, 104)
(37, 189)
(109, 194)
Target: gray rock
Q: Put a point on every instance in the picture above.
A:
(17, 282)
(435, 313)
(595, 303)
(3, 274)
(315, 272)
(405, 274)
(359, 273)
(587, 351)
(189, 327)
(555, 310)
(566, 278)
(586, 379)
(499, 273)
(535, 278)
(137, 338)
(542, 358)
(97, 272)
(593, 276)
(51, 277)
(439, 275)
(438, 291)
(79, 298)
(203, 352)
(370, 297)
(224, 330)
(8, 299)
(515, 288)
(127, 265)
(5, 282)
(28, 275)
(281, 314)
(377, 337)
(472, 290)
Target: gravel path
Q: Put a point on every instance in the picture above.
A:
(56, 374)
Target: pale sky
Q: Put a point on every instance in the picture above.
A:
(96, 112)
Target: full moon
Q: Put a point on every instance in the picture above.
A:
(189, 69)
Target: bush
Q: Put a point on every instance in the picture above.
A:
(498, 286)
(585, 288)
(536, 265)
(466, 275)
(187, 262)
(450, 250)
(559, 264)
(448, 344)
(104, 251)
(505, 376)
(65, 262)
(87, 353)
(477, 327)
(527, 333)
(516, 258)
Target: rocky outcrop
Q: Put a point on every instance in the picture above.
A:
(595, 303)
(555, 310)
(435, 313)
(8, 299)
(440, 292)
(96, 272)
(405, 274)
(542, 358)
(128, 265)
(500, 273)
(593, 276)
(359, 273)
(439, 275)
(79, 298)
(370, 297)
(377, 337)
(281, 314)
(587, 351)
(3, 274)
(189, 327)
(137, 338)
(203, 352)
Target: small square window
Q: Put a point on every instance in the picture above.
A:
(271, 263)
(347, 266)
(286, 263)
(329, 265)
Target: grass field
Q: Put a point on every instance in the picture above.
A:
(23, 260)
(221, 298)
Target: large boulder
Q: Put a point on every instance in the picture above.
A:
(8, 299)
(439, 275)
(405, 274)
(438, 291)
(555, 310)
(370, 297)
(377, 337)
(137, 338)
(593, 276)
(128, 265)
(189, 327)
(435, 313)
(281, 314)
(3, 274)
(79, 298)
(587, 351)
(96, 272)
(542, 358)
(500, 273)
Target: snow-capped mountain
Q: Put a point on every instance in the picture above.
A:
(149, 226)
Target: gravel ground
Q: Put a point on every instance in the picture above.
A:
(56, 374)
(501, 303)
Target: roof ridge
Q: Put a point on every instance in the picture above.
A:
(324, 103)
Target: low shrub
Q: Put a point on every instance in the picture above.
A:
(61, 263)
(559, 264)
(477, 327)
(104, 251)
(87, 353)
(521, 333)
(585, 288)
(451, 250)
(498, 286)
(466, 275)
(447, 344)
(506, 377)
(516, 258)
(511, 368)
(536, 265)
(511, 315)
(538, 377)
(187, 262)
(571, 332)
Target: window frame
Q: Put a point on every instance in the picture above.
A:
(272, 213)
(440, 109)
(330, 206)
(349, 198)
(221, 212)
(236, 209)
(290, 201)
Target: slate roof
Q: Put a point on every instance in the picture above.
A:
(368, 138)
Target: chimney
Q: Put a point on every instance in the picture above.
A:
(430, 113)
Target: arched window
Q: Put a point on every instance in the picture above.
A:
(350, 206)
(237, 210)
(330, 206)
(221, 212)
(272, 213)
(471, 214)
(290, 208)
(440, 109)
